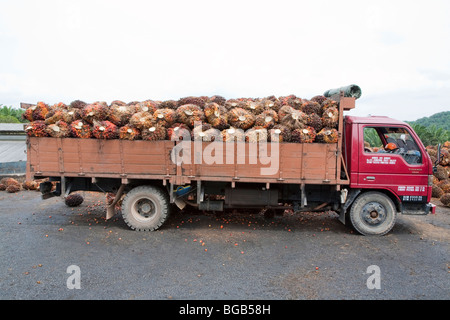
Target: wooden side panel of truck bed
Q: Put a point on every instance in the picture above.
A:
(312, 163)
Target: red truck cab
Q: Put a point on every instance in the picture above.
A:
(402, 172)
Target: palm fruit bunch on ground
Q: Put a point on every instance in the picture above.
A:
(10, 185)
(159, 120)
(30, 185)
(441, 177)
(73, 200)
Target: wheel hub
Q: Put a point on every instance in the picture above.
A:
(374, 213)
(145, 208)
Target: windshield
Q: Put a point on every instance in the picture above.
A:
(395, 140)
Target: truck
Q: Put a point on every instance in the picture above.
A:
(367, 186)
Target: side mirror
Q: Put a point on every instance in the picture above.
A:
(438, 158)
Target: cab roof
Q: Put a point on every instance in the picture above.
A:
(382, 120)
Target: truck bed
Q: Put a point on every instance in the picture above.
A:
(309, 163)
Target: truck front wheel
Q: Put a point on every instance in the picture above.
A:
(373, 213)
(145, 208)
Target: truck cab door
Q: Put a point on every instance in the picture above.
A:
(404, 170)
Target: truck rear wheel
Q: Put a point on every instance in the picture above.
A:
(373, 213)
(145, 208)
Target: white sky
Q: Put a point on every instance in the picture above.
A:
(398, 52)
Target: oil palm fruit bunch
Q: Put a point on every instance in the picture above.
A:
(120, 115)
(129, 132)
(77, 104)
(319, 99)
(267, 119)
(256, 134)
(292, 100)
(179, 131)
(198, 101)
(73, 200)
(305, 135)
(240, 118)
(142, 120)
(168, 104)
(94, 112)
(218, 99)
(327, 135)
(292, 118)
(327, 103)
(445, 199)
(146, 106)
(436, 191)
(60, 129)
(165, 117)
(315, 121)
(54, 115)
(36, 129)
(233, 135)
(189, 114)
(253, 106)
(37, 112)
(9, 181)
(280, 133)
(80, 129)
(440, 172)
(30, 185)
(2, 187)
(444, 185)
(71, 115)
(310, 107)
(271, 103)
(330, 117)
(105, 130)
(233, 103)
(154, 133)
(13, 188)
(198, 132)
(216, 115)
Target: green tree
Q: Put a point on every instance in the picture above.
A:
(11, 115)
(431, 135)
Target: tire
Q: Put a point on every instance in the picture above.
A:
(373, 213)
(145, 208)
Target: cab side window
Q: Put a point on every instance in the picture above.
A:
(392, 140)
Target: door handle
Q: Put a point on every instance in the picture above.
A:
(370, 178)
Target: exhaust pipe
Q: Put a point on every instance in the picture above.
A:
(352, 91)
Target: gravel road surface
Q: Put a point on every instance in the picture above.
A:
(205, 256)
